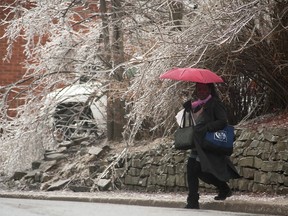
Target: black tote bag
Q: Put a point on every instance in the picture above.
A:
(183, 136)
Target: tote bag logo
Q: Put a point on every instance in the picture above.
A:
(221, 136)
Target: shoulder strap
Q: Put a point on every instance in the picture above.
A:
(190, 118)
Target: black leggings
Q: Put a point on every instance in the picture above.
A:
(194, 173)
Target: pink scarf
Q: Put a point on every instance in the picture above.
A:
(200, 102)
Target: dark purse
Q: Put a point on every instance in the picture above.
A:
(220, 141)
(183, 136)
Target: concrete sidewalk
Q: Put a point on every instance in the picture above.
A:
(257, 204)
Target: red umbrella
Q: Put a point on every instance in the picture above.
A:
(192, 74)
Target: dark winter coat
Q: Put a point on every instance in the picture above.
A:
(214, 118)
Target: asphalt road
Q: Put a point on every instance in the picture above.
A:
(32, 207)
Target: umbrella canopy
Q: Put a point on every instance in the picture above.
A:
(192, 75)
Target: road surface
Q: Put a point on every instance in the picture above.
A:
(33, 207)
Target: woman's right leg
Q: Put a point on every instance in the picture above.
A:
(193, 170)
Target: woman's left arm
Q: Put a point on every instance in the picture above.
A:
(218, 117)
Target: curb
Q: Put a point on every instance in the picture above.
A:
(254, 207)
(96, 199)
(266, 207)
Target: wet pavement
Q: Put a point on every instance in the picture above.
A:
(246, 203)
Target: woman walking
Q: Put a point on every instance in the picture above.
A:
(212, 168)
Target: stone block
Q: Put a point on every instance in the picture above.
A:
(136, 163)
(246, 162)
(103, 184)
(243, 184)
(269, 136)
(252, 152)
(262, 177)
(145, 161)
(258, 163)
(281, 132)
(245, 135)
(237, 152)
(152, 180)
(31, 174)
(54, 157)
(134, 171)
(157, 160)
(281, 146)
(269, 166)
(285, 181)
(145, 171)
(143, 182)
(77, 188)
(95, 150)
(262, 188)
(58, 185)
(276, 178)
(137, 155)
(161, 170)
(267, 147)
(180, 180)
(179, 158)
(162, 179)
(285, 169)
(170, 169)
(18, 175)
(153, 169)
(280, 165)
(171, 179)
(45, 178)
(246, 144)
(265, 155)
(180, 168)
(282, 155)
(131, 180)
(283, 190)
(120, 172)
(261, 137)
(247, 173)
(151, 188)
(255, 143)
(36, 164)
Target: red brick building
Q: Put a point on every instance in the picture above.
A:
(13, 71)
(10, 71)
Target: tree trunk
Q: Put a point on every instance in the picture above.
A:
(106, 52)
(116, 106)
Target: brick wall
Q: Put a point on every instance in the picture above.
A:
(10, 71)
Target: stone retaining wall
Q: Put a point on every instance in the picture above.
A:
(261, 157)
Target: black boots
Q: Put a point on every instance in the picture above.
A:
(223, 193)
(192, 205)
(192, 202)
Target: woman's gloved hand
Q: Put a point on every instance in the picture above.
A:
(187, 105)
